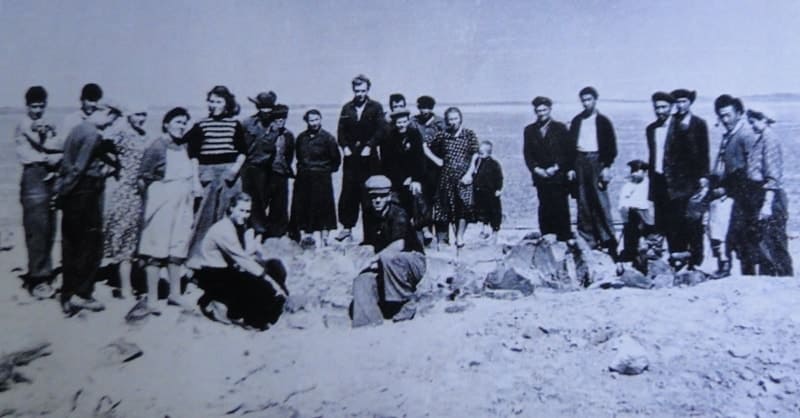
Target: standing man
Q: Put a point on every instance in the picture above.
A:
(429, 124)
(361, 124)
(91, 93)
(731, 168)
(34, 138)
(79, 192)
(260, 153)
(685, 163)
(389, 281)
(594, 145)
(282, 141)
(546, 148)
(656, 134)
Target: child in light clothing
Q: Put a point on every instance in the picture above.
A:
(711, 206)
(637, 213)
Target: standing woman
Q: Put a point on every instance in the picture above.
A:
(170, 183)
(124, 202)
(455, 150)
(765, 175)
(216, 145)
(313, 205)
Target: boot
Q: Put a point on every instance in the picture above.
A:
(723, 269)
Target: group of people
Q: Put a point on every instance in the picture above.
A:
(202, 198)
(676, 194)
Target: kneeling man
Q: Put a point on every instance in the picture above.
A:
(235, 274)
(390, 280)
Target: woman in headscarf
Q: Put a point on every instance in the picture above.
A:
(123, 208)
(216, 144)
(457, 149)
(764, 178)
(170, 183)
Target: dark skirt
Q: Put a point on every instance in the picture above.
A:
(313, 204)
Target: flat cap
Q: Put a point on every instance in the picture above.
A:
(378, 185)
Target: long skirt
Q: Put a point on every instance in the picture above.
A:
(168, 221)
(313, 205)
(217, 194)
(395, 281)
(594, 210)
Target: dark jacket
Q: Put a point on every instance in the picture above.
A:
(282, 164)
(402, 157)
(606, 138)
(395, 225)
(488, 176)
(358, 133)
(260, 151)
(430, 127)
(544, 152)
(685, 154)
(317, 151)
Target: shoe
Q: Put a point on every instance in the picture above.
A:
(343, 235)
(90, 304)
(407, 312)
(723, 269)
(308, 243)
(483, 235)
(42, 291)
(69, 308)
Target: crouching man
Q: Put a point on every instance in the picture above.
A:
(241, 287)
(383, 288)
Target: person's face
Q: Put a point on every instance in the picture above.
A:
(401, 124)
(360, 92)
(216, 105)
(36, 110)
(485, 150)
(682, 105)
(542, 113)
(588, 101)
(662, 109)
(177, 126)
(453, 121)
(314, 122)
(379, 201)
(758, 124)
(104, 118)
(137, 120)
(88, 106)
(278, 123)
(398, 105)
(729, 117)
(424, 111)
(241, 212)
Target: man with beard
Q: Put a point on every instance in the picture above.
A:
(403, 163)
(594, 144)
(685, 162)
(547, 155)
(260, 153)
(361, 124)
(384, 288)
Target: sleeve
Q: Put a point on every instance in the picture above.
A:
(334, 154)
(417, 160)
(194, 140)
(473, 143)
(528, 149)
(612, 143)
(773, 162)
(83, 155)
(399, 226)
(239, 143)
(380, 129)
(228, 244)
(343, 128)
(290, 144)
(436, 144)
(499, 179)
(571, 147)
(703, 157)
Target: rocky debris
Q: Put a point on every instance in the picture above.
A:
(631, 357)
(543, 261)
(690, 278)
(297, 302)
(591, 265)
(505, 278)
(658, 266)
(458, 307)
(9, 362)
(663, 280)
(629, 278)
(336, 321)
(121, 351)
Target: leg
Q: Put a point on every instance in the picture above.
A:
(125, 279)
(38, 221)
(152, 272)
(349, 197)
(366, 310)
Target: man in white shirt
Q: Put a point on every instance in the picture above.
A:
(657, 134)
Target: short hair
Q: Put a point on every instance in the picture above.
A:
(451, 110)
(487, 142)
(311, 112)
(541, 100)
(91, 92)
(231, 107)
(755, 114)
(589, 90)
(172, 114)
(726, 100)
(426, 102)
(238, 197)
(35, 94)
(361, 79)
(396, 97)
(662, 96)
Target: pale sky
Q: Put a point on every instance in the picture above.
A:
(166, 52)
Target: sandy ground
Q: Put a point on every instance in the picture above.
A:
(722, 348)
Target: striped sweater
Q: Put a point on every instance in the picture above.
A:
(216, 141)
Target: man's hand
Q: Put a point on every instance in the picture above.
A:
(366, 151)
(467, 179)
(498, 193)
(766, 212)
(347, 151)
(571, 175)
(230, 176)
(415, 187)
(540, 172)
(552, 171)
(605, 175)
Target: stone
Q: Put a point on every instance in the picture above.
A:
(658, 266)
(121, 351)
(663, 280)
(336, 321)
(690, 278)
(457, 308)
(591, 265)
(631, 358)
(634, 278)
(297, 302)
(509, 279)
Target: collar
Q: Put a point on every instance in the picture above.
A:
(736, 128)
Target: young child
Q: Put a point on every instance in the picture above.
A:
(638, 215)
(711, 206)
(488, 184)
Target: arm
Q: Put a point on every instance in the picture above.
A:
(240, 146)
(289, 150)
(334, 154)
(343, 132)
(703, 150)
(529, 149)
(380, 128)
(431, 156)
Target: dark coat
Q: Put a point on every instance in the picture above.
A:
(402, 157)
(541, 152)
(489, 176)
(606, 138)
(357, 133)
(686, 157)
